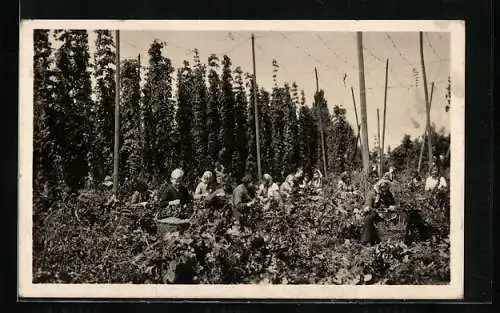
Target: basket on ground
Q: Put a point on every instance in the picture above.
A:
(172, 224)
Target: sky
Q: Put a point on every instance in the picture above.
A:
(335, 56)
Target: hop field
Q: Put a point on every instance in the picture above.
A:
(312, 239)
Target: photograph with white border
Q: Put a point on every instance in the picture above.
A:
(196, 159)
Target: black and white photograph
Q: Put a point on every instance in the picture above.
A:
(241, 159)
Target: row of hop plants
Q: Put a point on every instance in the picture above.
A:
(310, 240)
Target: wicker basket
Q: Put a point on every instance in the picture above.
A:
(392, 227)
(172, 224)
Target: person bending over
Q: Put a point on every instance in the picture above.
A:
(380, 198)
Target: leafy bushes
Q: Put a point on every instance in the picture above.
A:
(310, 240)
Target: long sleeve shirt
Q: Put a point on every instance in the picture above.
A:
(240, 196)
(169, 193)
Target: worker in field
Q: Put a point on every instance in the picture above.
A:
(204, 187)
(108, 186)
(268, 192)
(305, 184)
(299, 174)
(222, 196)
(435, 182)
(344, 184)
(138, 190)
(242, 202)
(415, 183)
(380, 198)
(389, 175)
(317, 181)
(286, 188)
(174, 193)
(437, 188)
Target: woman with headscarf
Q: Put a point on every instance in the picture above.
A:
(268, 190)
(174, 192)
(389, 175)
(286, 188)
(204, 188)
(435, 182)
(344, 184)
(380, 198)
(317, 180)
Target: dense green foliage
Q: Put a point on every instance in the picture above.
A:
(310, 240)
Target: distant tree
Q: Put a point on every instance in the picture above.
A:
(266, 135)
(251, 163)
(406, 154)
(341, 140)
(213, 109)
(159, 113)
(130, 119)
(320, 110)
(47, 168)
(290, 132)
(199, 131)
(240, 132)
(276, 114)
(184, 117)
(227, 130)
(101, 158)
(72, 97)
(307, 137)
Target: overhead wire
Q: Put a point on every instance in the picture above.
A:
(399, 51)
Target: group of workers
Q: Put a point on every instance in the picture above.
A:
(219, 190)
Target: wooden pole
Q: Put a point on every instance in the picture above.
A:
(257, 139)
(379, 145)
(427, 102)
(364, 122)
(425, 131)
(357, 124)
(385, 111)
(320, 118)
(116, 155)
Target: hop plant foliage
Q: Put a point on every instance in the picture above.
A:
(310, 240)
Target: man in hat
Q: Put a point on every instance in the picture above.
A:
(174, 193)
(380, 198)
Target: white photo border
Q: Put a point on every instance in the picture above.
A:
(454, 290)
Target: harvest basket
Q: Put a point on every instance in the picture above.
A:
(172, 224)
(392, 227)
